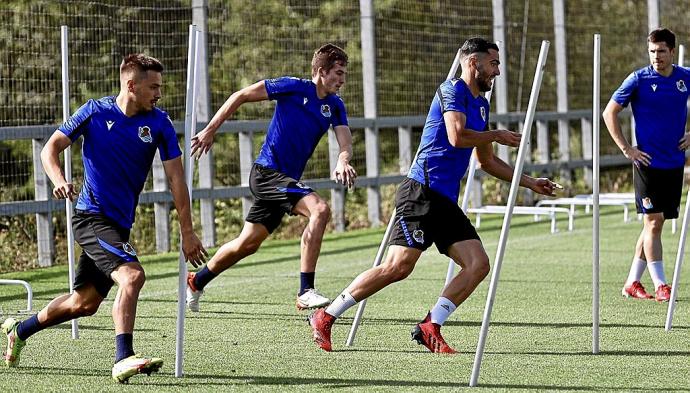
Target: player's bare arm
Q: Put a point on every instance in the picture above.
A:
(344, 173)
(50, 158)
(202, 142)
(192, 248)
(460, 136)
(614, 126)
(498, 168)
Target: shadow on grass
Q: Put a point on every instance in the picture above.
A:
(225, 380)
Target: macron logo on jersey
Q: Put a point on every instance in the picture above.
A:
(654, 87)
(305, 101)
(109, 124)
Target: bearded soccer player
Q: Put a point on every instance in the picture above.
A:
(658, 95)
(120, 138)
(305, 110)
(426, 202)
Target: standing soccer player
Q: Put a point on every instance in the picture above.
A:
(121, 136)
(305, 110)
(426, 202)
(658, 94)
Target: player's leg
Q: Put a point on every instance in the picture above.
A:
(317, 211)
(633, 286)
(457, 238)
(247, 243)
(653, 249)
(399, 263)
(130, 279)
(84, 301)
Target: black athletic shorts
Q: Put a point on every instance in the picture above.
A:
(275, 195)
(105, 246)
(423, 216)
(658, 190)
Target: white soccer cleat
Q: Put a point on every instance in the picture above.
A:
(312, 299)
(193, 294)
(133, 365)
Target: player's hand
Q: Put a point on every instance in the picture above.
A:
(508, 138)
(637, 156)
(684, 142)
(545, 186)
(194, 252)
(64, 191)
(202, 142)
(344, 174)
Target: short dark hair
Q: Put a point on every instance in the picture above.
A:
(663, 35)
(140, 63)
(476, 45)
(326, 57)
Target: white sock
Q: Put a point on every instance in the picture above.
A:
(442, 310)
(636, 270)
(340, 304)
(656, 270)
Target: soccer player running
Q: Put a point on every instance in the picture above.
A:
(305, 109)
(426, 202)
(658, 94)
(120, 138)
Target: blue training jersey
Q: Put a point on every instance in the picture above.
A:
(659, 105)
(299, 121)
(117, 153)
(438, 164)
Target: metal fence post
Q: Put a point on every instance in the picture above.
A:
(586, 126)
(337, 194)
(561, 50)
(501, 89)
(371, 134)
(246, 147)
(161, 210)
(44, 222)
(203, 110)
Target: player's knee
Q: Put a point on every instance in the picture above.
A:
(480, 266)
(322, 211)
(398, 271)
(85, 309)
(133, 279)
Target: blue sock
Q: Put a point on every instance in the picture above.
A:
(123, 346)
(306, 281)
(203, 277)
(28, 327)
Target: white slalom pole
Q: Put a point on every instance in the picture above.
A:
(189, 128)
(681, 241)
(514, 185)
(377, 261)
(469, 182)
(382, 247)
(596, 123)
(69, 212)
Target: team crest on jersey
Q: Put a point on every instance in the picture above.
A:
(326, 110)
(681, 86)
(145, 134)
(418, 236)
(647, 203)
(129, 249)
(482, 111)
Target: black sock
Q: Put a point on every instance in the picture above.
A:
(203, 277)
(28, 327)
(123, 346)
(306, 281)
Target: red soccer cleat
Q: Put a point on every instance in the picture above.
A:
(663, 293)
(321, 322)
(636, 290)
(429, 334)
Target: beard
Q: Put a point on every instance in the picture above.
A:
(484, 85)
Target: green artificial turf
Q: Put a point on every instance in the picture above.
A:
(249, 336)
